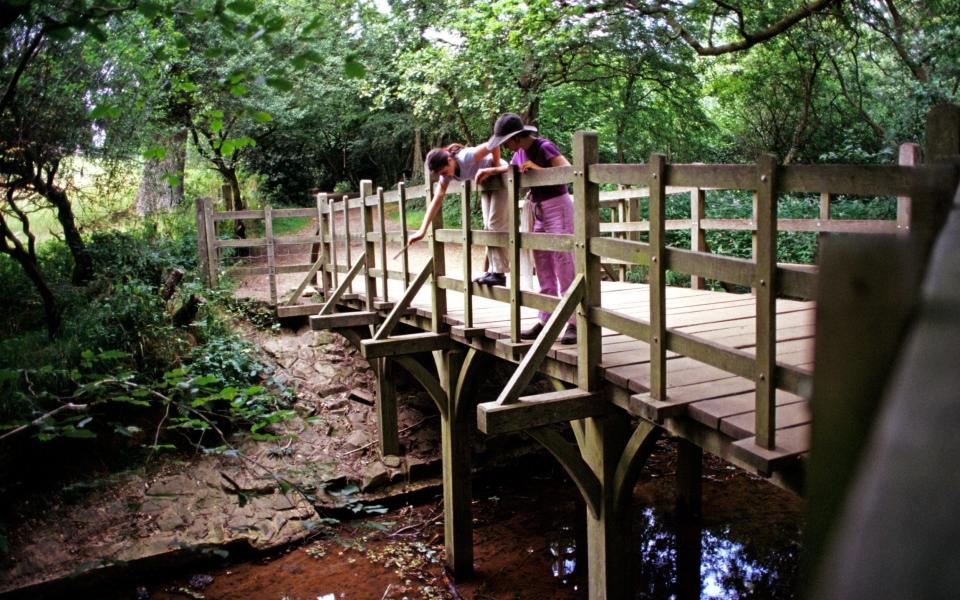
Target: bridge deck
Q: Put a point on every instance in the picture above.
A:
(705, 402)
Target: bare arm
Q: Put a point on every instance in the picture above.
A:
(494, 170)
(432, 209)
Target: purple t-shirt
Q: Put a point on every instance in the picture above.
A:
(541, 152)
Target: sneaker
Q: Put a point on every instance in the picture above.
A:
(491, 279)
(532, 333)
(569, 335)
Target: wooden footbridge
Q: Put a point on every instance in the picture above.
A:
(732, 374)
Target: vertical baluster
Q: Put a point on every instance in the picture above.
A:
(405, 258)
(385, 273)
(467, 241)
(513, 249)
(698, 242)
(271, 258)
(586, 197)
(658, 273)
(369, 247)
(348, 238)
(766, 299)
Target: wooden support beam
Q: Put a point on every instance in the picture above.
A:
(339, 294)
(300, 310)
(538, 410)
(455, 430)
(400, 308)
(405, 344)
(344, 319)
(531, 362)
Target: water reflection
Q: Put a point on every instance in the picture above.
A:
(679, 560)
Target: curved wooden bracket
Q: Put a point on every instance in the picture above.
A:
(632, 459)
(427, 380)
(464, 379)
(569, 457)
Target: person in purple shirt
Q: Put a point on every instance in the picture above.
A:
(552, 210)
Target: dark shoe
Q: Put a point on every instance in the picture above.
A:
(569, 335)
(532, 333)
(491, 279)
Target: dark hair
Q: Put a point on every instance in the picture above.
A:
(438, 157)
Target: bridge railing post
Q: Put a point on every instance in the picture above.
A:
(698, 240)
(438, 295)
(466, 239)
(324, 279)
(586, 197)
(347, 238)
(766, 301)
(369, 247)
(513, 250)
(658, 275)
(382, 245)
(405, 256)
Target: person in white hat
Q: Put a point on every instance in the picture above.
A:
(552, 210)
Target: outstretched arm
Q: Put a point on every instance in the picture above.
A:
(432, 209)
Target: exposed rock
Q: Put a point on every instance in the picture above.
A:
(357, 439)
(391, 461)
(374, 475)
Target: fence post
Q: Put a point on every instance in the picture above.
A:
(405, 256)
(438, 295)
(202, 240)
(369, 247)
(382, 218)
(658, 275)
(332, 224)
(586, 196)
(909, 157)
(271, 257)
(213, 259)
(467, 242)
(698, 241)
(513, 250)
(325, 281)
(766, 301)
(942, 144)
(348, 237)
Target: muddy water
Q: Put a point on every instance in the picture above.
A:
(529, 543)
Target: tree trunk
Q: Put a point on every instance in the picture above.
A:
(230, 174)
(156, 192)
(51, 310)
(82, 262)
(417, 155)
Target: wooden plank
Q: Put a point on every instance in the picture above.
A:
(586, 227)
(710, 412)
(864, 180)
(298, 310)
(637, 253)
(344, 319)
(681, 396)
(548, 176)
(539, 410)
(729, 177)
(792, 442)
(790, 415)
(558, 242)
(738, 271)
(405, 344)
